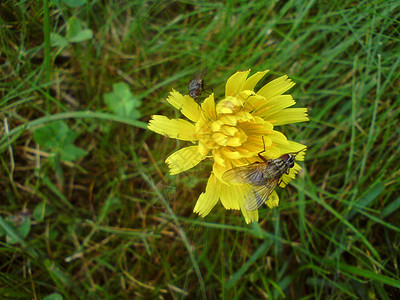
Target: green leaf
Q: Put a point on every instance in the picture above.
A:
(391, 208)
(10, 230)
(23, 230)
(57, 40)
(82, 36)
(52, 135)
(74, 26)
(71, 152)
(41, 211)
(58, 138)
(74, 3)
(76, 31)
(122, 102)
(368, 274)
(54, 296)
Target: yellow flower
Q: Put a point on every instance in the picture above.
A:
(232, 133)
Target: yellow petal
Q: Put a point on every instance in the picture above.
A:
(251, 82)
(278, 138)
(218, 170)
(203, 128)
(220, 139)
(173, 128)
(249, 216)
(286, 178)
(202, 148)
(274, 105)
(231, 154)
(184, 159)
(244, 116)
(251, 146)
(273, 200)
(185, 104)
(218, 157)
(244, 152)
(293, 147)
(228, 120)
(276, 87)
(228, 105)
(244, 95)
(231, 195)
(208, 199)
(288, 116)
(272, 152)
(235, 141)
(258, 127)
(235, 83)
(216, 126)
(208, 107)
(229, 130)
(253, 102)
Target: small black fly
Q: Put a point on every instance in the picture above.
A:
(196, 83)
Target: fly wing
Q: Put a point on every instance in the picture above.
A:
(251, 174)
(199, 74)
(259, 194)
(204, 72)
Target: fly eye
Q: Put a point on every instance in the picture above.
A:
(285, 157)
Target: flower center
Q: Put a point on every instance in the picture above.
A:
(225, 130)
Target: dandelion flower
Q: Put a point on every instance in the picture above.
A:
(233, 132)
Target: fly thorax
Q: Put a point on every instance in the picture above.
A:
(281, 165)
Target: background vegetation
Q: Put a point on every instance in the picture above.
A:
(87, 207)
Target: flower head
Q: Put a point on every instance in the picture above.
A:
(233, 132)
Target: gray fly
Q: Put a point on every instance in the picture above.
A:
(262, 176)
(196, 83)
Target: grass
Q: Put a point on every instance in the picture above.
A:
(111, 223)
